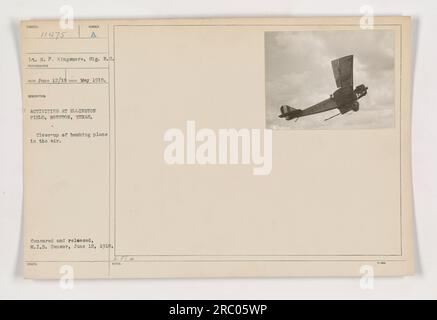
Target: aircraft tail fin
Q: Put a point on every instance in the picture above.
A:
(286, 110)
(289, 113)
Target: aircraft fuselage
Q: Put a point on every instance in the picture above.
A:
(344, 99)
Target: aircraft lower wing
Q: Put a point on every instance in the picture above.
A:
(343, 71)
(325, 105)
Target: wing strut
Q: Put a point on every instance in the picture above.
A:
(333, 116)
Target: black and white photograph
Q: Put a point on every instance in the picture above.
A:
(330, 79)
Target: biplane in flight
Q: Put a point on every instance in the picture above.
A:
(345, 98)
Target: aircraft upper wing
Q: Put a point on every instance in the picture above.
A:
(343, 69)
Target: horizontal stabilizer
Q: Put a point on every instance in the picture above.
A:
(289, 113)
(286, 109)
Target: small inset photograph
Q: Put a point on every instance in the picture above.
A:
(330, 79)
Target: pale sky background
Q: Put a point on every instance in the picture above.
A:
(299, 74)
